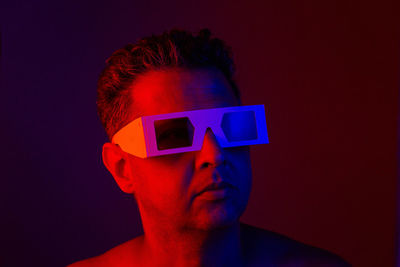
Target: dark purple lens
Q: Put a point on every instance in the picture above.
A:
(173, 133)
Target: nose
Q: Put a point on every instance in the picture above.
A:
(211, 153)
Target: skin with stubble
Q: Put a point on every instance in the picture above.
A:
(184, 223)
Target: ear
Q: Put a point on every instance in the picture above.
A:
(116, 161)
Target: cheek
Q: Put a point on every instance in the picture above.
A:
(242, 168)
(162, 181)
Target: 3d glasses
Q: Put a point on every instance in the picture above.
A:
(178, 132)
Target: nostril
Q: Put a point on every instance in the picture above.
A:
(205, 165)
(216, 164)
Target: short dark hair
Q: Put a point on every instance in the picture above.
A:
(174, 48)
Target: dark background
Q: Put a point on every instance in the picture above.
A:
(327, 72)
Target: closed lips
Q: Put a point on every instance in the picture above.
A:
(216, 186)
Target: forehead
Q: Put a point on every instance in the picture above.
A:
(175, 90)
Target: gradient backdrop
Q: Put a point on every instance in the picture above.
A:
(327, 72)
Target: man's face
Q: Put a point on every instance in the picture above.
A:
(168, 188)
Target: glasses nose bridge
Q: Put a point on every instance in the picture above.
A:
(208, 129)
(211, 152)
(212, 127)
(211, 147)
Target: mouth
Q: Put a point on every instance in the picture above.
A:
(216, 191)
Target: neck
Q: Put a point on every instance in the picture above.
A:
(193, 247)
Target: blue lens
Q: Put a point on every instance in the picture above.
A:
(239, 126)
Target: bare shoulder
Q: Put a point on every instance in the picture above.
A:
(94, 261)
(263, 246)
(121, 255)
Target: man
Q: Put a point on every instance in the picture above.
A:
(163, 103)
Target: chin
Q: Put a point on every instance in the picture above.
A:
(216, 218)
